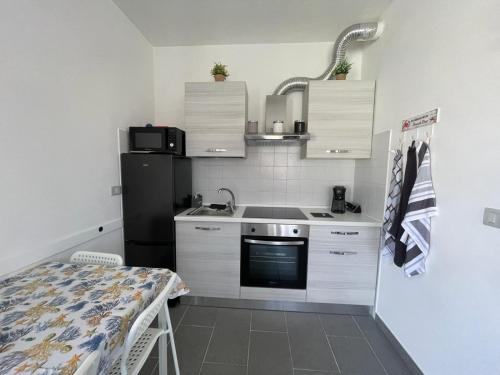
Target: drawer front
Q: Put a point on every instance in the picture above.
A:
(341, 284)
(211, 228)
(202, 241)
(336, 252)
(344, 233)
(321, 276)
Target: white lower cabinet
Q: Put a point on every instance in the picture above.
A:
(208, 258)
(342, 264)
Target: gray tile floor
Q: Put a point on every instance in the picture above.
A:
(220, 341)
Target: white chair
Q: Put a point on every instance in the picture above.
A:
(89, 257)
(141, 339)
(90, 365)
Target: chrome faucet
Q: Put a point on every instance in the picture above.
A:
(232, 202)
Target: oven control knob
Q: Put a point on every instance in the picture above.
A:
(295, 231)
(252, 230)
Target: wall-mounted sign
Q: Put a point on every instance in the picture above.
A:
(424, 119)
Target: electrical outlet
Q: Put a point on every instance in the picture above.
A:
(491, 217)
(116, 190)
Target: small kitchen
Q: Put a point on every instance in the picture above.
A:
(284, 212)
(280, 216)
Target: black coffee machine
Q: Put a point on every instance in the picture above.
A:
(338, 200)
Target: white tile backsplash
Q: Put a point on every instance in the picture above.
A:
(370, 177)
(281, 159)
(272, 175)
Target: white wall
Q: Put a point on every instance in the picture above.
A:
(447, 54)
(262, 66)
(106, 243)
(72, 72)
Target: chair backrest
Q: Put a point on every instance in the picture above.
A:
(89, 257)
(145, 319)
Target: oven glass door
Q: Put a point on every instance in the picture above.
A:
(274, 262)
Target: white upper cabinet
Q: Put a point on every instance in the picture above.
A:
(215, 118)
(339, 116)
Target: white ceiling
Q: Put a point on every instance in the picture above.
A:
(196, 22)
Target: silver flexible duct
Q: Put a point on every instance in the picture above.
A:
(356, 32)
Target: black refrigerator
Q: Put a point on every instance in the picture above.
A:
(155, 188)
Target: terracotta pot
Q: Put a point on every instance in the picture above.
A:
(219, 77)
(340, 77)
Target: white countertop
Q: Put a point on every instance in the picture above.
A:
(347, 219)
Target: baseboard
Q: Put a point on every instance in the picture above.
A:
(410, 363)
(322, 308)
(35, 256)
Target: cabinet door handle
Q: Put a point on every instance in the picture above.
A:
(338, 151)
(207, 228)
(217, 150)
(346, 233)
(335, 252)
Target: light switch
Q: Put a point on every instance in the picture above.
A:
(491, 217)
(116, 190)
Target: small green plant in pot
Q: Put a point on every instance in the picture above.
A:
(342, 69)
(219, 71)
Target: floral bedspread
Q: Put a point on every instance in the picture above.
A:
(54, 315)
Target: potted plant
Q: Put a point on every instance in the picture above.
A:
(342, 69)
(219, 71)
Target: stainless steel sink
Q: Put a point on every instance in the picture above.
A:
(207, 211)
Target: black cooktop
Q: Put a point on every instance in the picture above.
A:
(289, 213)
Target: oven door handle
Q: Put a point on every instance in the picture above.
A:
(274, 243)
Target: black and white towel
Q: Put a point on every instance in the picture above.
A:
(417, 221)
(410, 175)
(392, 203)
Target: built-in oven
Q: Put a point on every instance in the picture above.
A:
(274, 255)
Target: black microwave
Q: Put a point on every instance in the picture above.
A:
(157, 139)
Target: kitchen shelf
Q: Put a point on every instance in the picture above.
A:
(279, 138)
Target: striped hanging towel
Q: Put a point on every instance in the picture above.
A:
(417, 221)
(392, 203)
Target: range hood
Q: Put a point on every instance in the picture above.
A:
(276, 108)
(281, 137)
